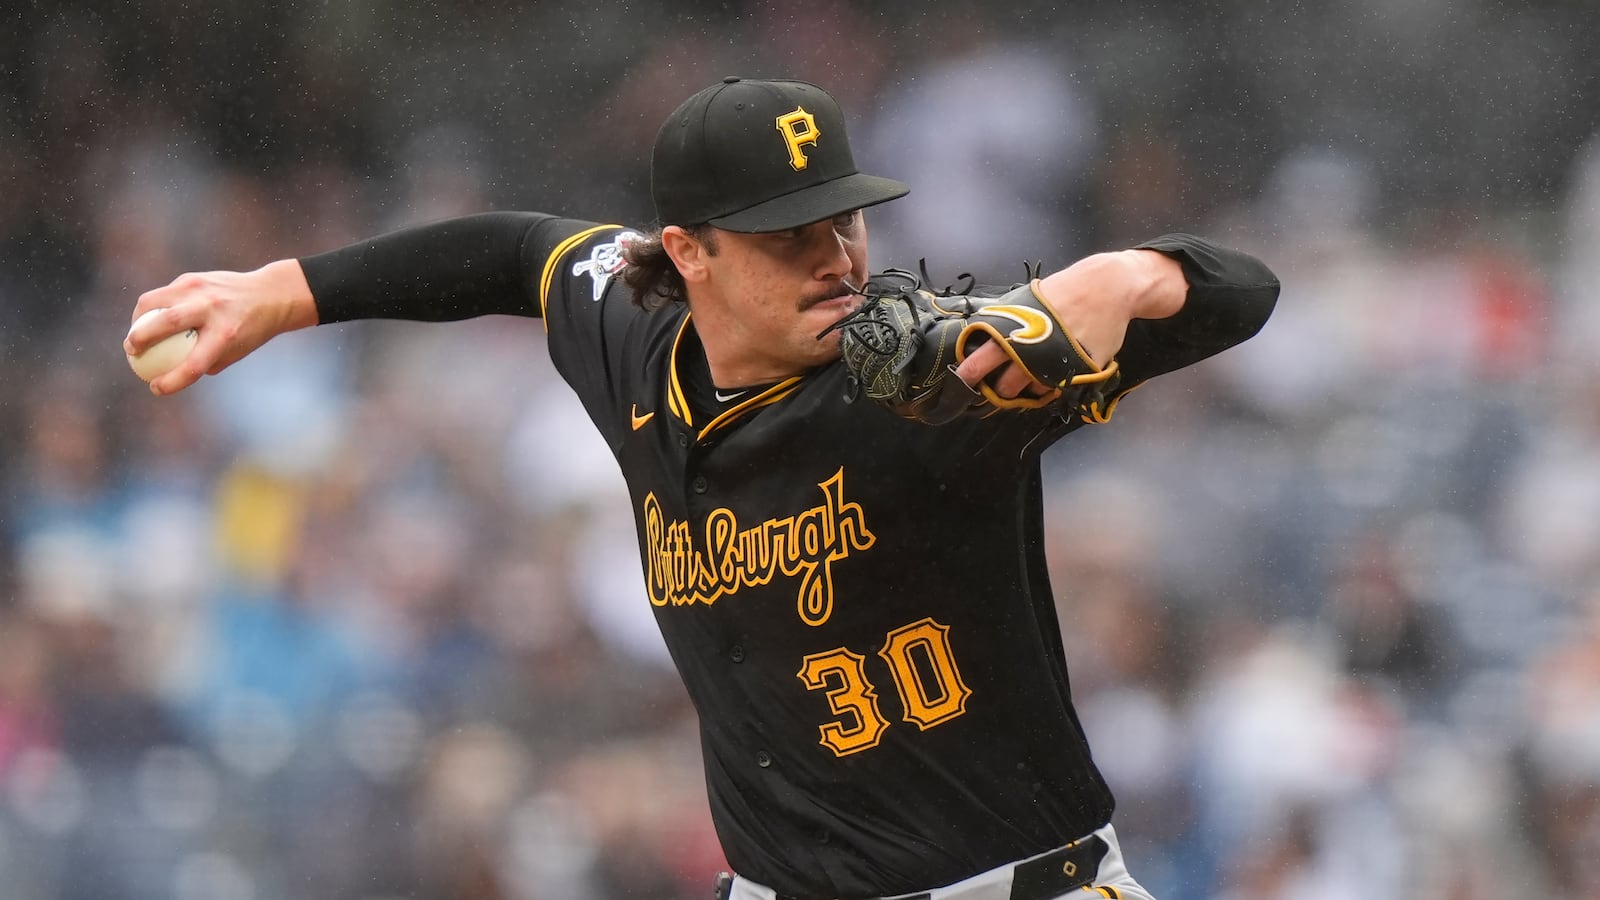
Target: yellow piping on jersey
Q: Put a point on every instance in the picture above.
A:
(676, 401)
(766, 398)
(548, 275)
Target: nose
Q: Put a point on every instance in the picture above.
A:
(833, 259)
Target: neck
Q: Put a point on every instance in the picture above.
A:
(734, 360)
(730, 371)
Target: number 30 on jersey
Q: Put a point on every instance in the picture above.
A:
(925, 676)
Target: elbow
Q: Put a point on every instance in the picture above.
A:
(1258, 303)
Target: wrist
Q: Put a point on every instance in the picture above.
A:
(286, 280)
(1159, 287)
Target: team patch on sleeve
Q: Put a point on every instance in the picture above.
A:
(552, 265)
(604, 261)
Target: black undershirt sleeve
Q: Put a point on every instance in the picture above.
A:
(1230, 296)
(444, 271)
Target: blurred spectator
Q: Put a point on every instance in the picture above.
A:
(994, 133)
(1390, 640)
(1293, 758)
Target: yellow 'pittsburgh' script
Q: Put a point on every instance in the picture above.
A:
(805, 544)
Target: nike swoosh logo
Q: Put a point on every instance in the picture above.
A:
(1035, 325)
(724, 398)
(638, 420)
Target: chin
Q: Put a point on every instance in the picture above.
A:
(827, 349)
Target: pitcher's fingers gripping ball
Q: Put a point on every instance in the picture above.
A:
(164, 355)
(902, 346)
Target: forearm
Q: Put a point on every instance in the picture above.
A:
(1097, 297)
(285, 281)
(1228, 294)
(444, 271)
(1133, 284)
(1228, 297)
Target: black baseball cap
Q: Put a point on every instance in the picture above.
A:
(754, 156)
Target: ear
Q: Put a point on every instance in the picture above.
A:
(686, 252)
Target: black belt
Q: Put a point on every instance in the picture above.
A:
(1059, 871)
(1041, 878)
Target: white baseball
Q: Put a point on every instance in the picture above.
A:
(164, 355)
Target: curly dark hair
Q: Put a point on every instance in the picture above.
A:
(650, 272)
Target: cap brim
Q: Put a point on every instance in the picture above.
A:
(813, 204)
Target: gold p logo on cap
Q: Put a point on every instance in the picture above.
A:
(798, 128)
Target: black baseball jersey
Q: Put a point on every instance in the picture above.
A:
(857, 604)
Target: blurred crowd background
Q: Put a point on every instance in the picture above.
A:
(361, 620)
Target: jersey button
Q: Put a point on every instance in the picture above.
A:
(763, 758)
(699, 484)
(736, 653)
(683, 439)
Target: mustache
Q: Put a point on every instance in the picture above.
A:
(843, 289)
